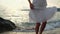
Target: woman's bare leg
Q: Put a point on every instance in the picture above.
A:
(42, 27)
(37, 27)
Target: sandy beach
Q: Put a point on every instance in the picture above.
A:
(55, 31)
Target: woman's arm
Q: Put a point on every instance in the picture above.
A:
(31, 5)
(29, 1)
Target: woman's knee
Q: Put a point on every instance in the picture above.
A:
(44, 23)
(37, 24)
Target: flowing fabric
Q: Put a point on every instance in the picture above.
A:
(42, 15)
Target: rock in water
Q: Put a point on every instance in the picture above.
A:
(6, 25)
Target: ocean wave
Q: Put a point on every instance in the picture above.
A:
(29, 27)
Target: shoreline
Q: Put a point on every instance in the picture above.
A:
(55, 31)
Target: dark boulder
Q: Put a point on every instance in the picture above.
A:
(6, 25)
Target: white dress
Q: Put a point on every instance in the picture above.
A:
(40, 13)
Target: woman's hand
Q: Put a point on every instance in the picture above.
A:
(31, 6)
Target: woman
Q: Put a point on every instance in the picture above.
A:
(40, 13)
